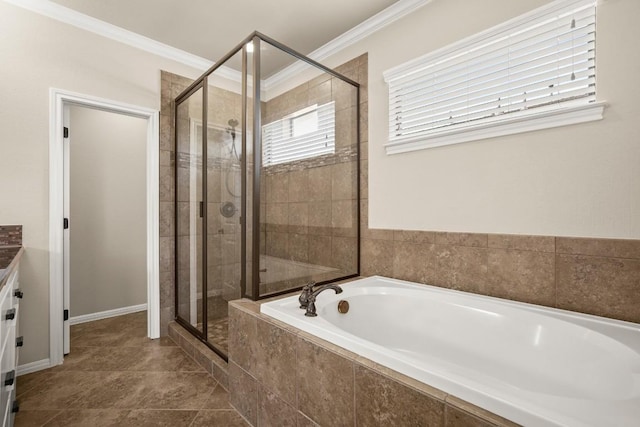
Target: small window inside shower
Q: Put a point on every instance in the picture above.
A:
(309, 132)
(304, 122)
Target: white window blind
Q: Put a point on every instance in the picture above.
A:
(306, 133)
(540, 62)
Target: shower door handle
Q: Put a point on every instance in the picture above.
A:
(201, 209)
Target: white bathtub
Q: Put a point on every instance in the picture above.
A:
(534, 365)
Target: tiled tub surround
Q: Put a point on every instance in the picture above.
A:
(282, 376)
(587, 275)
(531, 364)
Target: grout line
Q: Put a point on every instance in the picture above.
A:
(54, 416)
(597, 256)
(355, 399)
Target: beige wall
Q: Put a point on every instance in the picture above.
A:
(38, 53)
(579, 180)
(108, 211)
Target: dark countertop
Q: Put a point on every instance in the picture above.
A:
(9, 257)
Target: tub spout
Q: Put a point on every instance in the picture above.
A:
(311, 301)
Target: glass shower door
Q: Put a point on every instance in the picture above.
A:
(210, 195)
(267, 195)
(189, 209)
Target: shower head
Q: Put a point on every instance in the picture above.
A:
(232, 128)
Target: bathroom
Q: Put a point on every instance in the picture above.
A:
(546, 217)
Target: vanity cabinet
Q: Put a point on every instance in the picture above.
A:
(10, 343)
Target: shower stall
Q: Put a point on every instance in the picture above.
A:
(266, 184)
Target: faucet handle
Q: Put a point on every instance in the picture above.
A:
(307, 290)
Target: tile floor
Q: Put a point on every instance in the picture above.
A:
(115, 376)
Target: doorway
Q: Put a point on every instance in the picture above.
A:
(105, 211)
(100, 206)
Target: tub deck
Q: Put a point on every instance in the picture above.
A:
(530, 364)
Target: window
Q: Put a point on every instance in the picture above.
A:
(533, 72)
(304, 123)
(306, 133)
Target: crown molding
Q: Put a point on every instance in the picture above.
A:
(96, 26)
(352, 36)
(80, 20)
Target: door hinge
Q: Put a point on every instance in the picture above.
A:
(10, 378)
(65, 223)
(65, 132)
(65, 315)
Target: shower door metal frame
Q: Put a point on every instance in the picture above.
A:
(202, 82)
(184, 96)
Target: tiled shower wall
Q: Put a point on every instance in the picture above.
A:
(308, 207)
(595, 276)
(171, 86)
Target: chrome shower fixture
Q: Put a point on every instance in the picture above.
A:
(233, 123)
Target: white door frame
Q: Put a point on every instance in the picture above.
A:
(58, 100)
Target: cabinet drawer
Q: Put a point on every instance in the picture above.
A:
(8, 320)
(5, 324)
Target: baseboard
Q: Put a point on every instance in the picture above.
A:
(106, 314)
(38, 365)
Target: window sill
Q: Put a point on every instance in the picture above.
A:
(508, 126)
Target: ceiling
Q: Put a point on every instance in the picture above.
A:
(211, 28)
